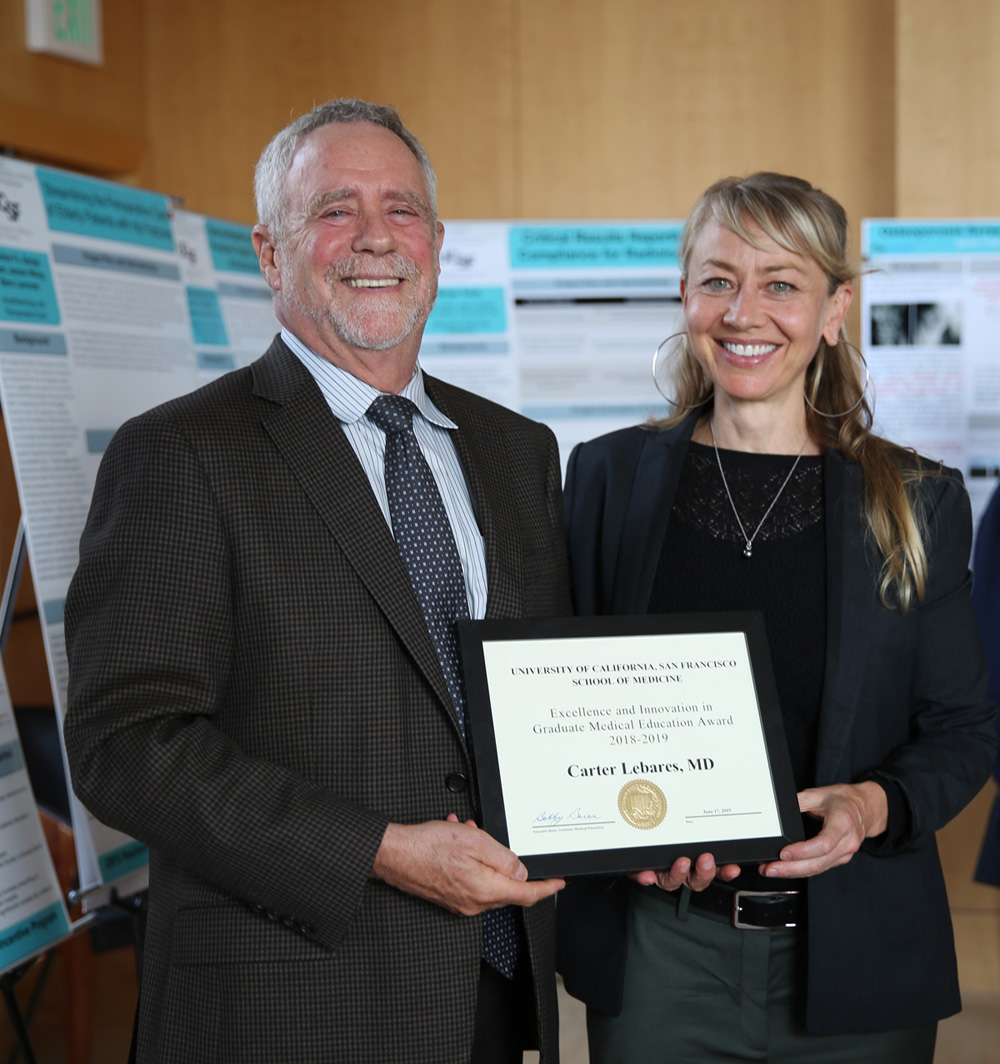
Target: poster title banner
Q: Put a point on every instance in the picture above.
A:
(885, 237)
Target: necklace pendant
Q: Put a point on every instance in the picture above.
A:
(748, 548)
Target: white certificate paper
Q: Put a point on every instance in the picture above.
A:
(603, 743)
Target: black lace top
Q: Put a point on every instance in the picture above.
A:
(703, 567)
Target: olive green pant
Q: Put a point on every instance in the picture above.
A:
(697, 989)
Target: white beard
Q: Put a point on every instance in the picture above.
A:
(386, 320)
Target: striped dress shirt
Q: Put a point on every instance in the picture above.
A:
(349, 399)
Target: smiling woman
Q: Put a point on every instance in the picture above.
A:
(765, 489)
(801, 391)
(755, 314)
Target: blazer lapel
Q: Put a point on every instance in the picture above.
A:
(313, 444)
(482, 454)
(848, 596)
(645, 524)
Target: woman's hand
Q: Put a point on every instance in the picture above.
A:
(682, 873)
(851, 813)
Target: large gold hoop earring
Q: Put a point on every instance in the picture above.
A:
(656, 382)
(861, 397)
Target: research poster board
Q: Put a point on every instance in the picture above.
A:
(112, 301)
(930, 317)
(557, 320)
(33, 913)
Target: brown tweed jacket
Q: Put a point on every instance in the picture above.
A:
(253, 693)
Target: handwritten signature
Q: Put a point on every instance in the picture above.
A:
(575, 817)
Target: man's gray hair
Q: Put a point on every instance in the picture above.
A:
(273, 164)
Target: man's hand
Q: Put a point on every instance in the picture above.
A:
(851, 812)
(456, 866)
(682, 873)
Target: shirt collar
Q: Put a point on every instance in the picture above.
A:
(349, 397)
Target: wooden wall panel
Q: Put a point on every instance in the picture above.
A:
(225, 75)
(975, 907)
(948, 126)
(947, 164)
(78, 116)
(632, 108)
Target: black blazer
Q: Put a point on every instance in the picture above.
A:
(904, 699)
(254, 693)
(986, 600)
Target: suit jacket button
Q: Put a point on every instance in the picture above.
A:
(456, 781)
(272, 915)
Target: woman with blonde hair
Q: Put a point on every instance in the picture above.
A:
(765, 489)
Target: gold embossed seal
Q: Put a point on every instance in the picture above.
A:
(641, 804)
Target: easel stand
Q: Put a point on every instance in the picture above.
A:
(21, 1018)
(10, 980)
(19, 1021)
(133, 905)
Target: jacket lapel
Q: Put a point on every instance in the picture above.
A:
(483, 456)
(848, 596)
(310, 438)
(657, 474)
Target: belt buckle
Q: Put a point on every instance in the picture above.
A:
(738, 896)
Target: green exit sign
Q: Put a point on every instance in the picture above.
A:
(70, 28)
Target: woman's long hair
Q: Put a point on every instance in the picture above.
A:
(807, 221)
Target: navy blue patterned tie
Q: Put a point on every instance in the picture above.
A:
(426, 544)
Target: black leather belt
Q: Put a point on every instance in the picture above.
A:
(748, 910)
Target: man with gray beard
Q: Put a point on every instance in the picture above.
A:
(264, 680)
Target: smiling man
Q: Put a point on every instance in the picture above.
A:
(264, 680)
(350, 247)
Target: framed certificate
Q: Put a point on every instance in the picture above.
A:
(607, 745)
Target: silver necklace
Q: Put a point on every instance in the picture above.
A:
(748, 540)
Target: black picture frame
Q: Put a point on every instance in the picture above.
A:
(475, 635)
